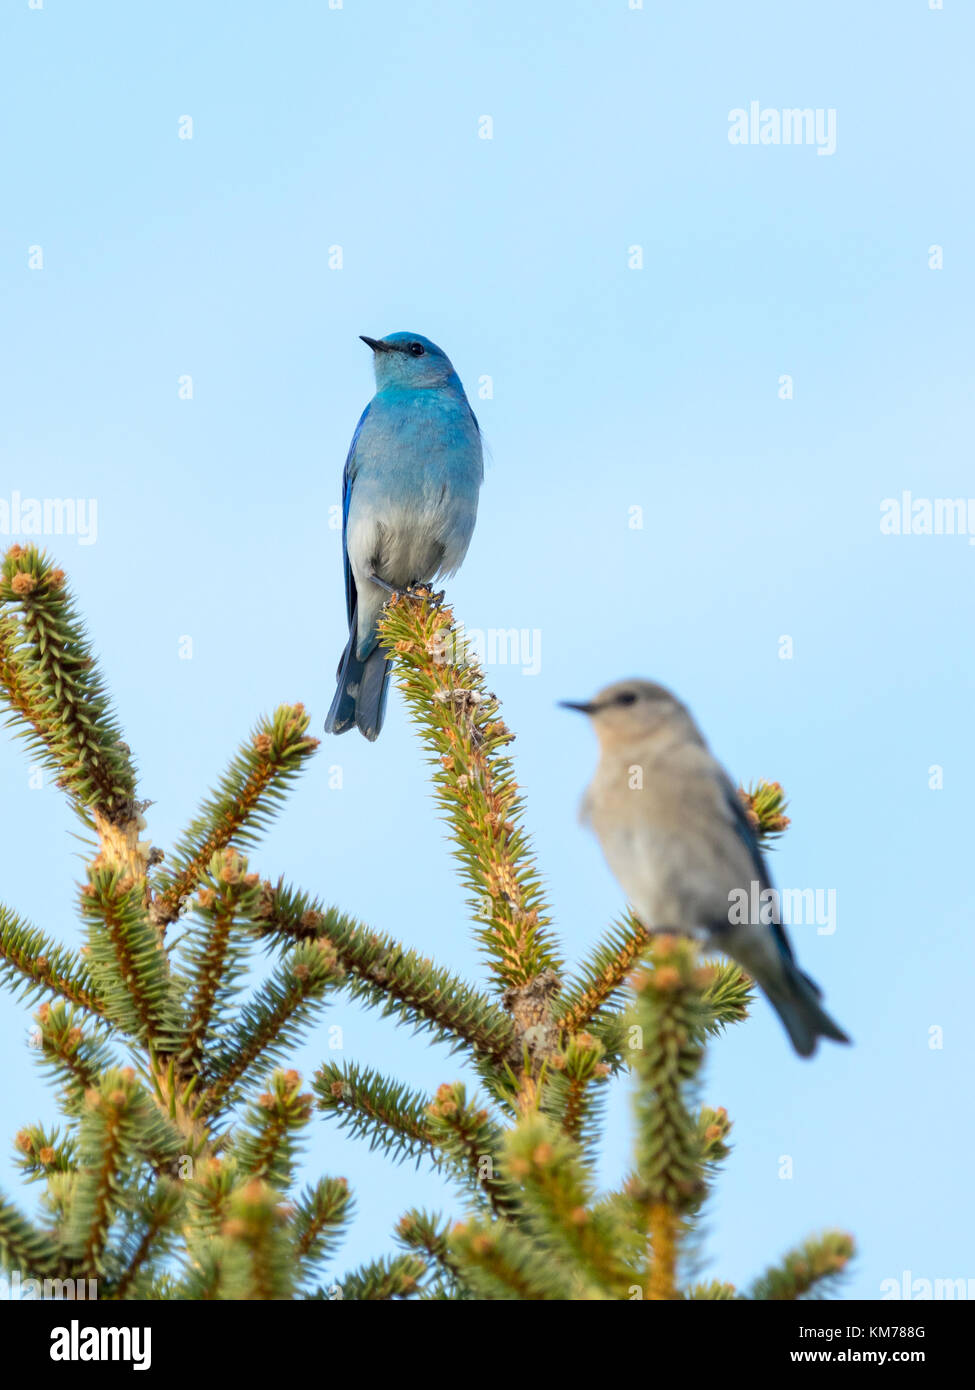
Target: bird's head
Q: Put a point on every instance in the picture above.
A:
(410, 361)
(633, 709)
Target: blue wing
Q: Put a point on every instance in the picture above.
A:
(348, 478)
(746, 833)
(480, 436)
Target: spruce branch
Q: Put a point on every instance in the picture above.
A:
(321, 1219)
(77, 1059)
(382, 973)
(41, 1152)
(383, 1280)
(49, 679)
(371, 1106)
(670, 1017)
(254, 1253)
(554, 1190)
(469, 1137)
(105, 1161)
(573, 1090)
(121, 1132)
(406, 1124)
(460, 724)
(663, 1226)
(237, 813)
(208, 1191)
(202, 1281)
(155, 1231)
(430, 1235)
(265, 1145)
(728, 995)
(813, 1268)
(272, 1021)
(593, 996)
(597, 986)
(713, 1128)
(56, 1200)
(23, 1246)
(765, 805)
(34, 964)
(536, 1034)
(215, 951)
(715, 1291)
(499, 1262)
(127, 961)
(14, 687)
(151, 1176)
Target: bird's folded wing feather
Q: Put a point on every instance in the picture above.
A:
(736, 813)
(348, 478)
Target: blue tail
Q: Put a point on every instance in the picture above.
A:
(360, 697)
(796, 1001)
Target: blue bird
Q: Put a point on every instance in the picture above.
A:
(676, 836)
(409, 503)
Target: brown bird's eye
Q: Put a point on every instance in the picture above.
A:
(417, 349)
(626, 698)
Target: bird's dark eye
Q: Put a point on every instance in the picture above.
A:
(417, 349)
(626, 698)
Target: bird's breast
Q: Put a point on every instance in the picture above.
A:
(422, 434)
(414, 495)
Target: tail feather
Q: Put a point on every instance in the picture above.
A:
(341, 715)
(361, 690)
(370, 703)
(795, 999)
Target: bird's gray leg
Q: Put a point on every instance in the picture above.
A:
(390, 589)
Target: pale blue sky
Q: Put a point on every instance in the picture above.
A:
(613, 388)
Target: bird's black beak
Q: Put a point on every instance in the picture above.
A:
(376, 344)
(573, 704)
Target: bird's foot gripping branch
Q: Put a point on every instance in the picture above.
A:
(174, 1171)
